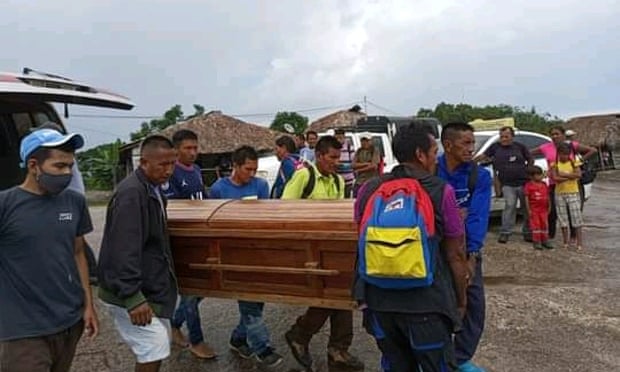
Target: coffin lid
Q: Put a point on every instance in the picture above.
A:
(322, 219)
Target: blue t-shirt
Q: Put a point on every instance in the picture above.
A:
(185, 183)
(288, 166)
(224, 188)
(477, 204)
(307, 154)
(40, 285)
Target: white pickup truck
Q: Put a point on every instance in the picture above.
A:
(268, 165)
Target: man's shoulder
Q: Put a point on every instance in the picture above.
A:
(260, 182)
(303, 172)
(9, 192)
(131, 180)
(73, 195)
(219, 183)
(429, 181)
(131, 185)
(8, 197)
(493, 148)
(520, 147)
(483, 176)
(179, 169)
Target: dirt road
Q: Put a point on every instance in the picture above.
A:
(546, 310)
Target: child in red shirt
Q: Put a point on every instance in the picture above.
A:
(537, 205)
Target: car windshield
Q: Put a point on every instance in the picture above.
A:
(481, 139)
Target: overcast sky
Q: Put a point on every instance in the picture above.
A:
(248, 57)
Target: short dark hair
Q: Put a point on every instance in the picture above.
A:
(450, 131)
(558, 128)
(339, 131)
(243, 153)
(155, 141)
(183, 135)
(563, 148)
(43, 153)
(301, 136)
(311, 132)
(326, 143)
(287, 142)
(533, 170)
(510, 129)
(409, 139)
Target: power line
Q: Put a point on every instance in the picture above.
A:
(383, 108)
(98, 131)
(333, 107)
(100, 116)
(261, 114)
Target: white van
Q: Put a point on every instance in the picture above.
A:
(268, 166)
(25, 103)
(381, 141)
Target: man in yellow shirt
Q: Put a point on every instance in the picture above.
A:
(320, 181)
(566, 174)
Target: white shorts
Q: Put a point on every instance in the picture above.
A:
(150, 343)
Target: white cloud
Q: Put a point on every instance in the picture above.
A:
(244, 56)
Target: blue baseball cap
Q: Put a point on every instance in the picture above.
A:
(47, 138)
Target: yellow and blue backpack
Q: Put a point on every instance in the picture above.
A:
(397, 243)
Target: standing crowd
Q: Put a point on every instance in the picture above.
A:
(545, 204)
(418, 279)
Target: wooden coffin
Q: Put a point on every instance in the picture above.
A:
(289, 251)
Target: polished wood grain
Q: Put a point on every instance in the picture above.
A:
(289, 251)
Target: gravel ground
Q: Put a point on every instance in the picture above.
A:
(546, 311)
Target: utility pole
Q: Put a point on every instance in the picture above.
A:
(365, 105)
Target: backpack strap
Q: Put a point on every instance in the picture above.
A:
(311, 182)
(472, 179)
(337, 182)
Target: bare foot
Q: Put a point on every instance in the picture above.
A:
(178, 338)
(202, 351)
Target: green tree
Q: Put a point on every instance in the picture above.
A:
(298, 123)
(100, 166)
(525, 119)
(199, 110)
(170, 117)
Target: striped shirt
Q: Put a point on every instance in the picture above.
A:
(345, 167)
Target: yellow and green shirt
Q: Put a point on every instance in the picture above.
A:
(324, 186)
